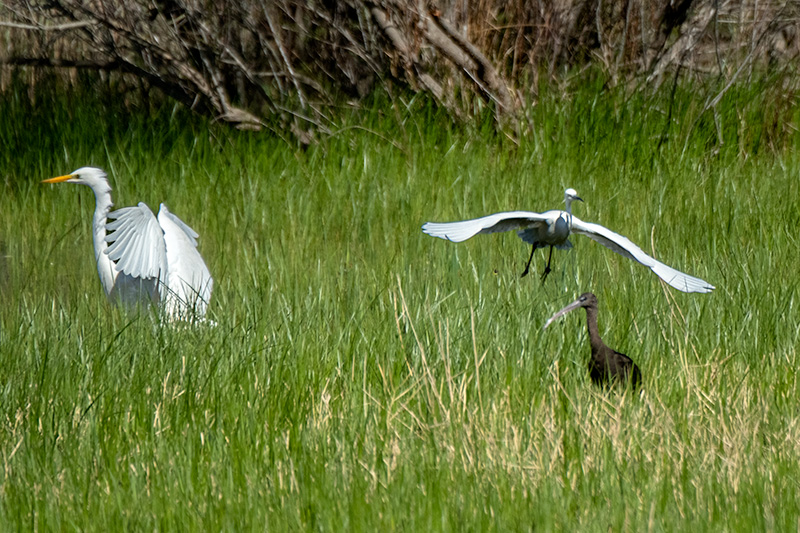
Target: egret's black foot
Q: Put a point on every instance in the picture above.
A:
(545, 273)
(528, 264)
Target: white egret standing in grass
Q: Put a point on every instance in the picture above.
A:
(141, 259)
(553, 228)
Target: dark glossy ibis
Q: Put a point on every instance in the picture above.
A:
(605, 365)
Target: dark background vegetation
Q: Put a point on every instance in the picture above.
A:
(290, 65)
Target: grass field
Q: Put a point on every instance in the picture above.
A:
(366, 377)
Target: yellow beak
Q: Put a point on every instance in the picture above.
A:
(58, 179)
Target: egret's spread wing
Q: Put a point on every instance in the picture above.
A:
(136, 242)
(190, 233)
(463, 230)
(189, 283)
(623, 246)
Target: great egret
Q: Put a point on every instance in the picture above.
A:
(605, 365)
(553, 228)
(141, 259)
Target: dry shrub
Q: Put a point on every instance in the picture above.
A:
(249, 63)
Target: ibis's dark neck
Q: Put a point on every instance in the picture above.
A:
(594, 335)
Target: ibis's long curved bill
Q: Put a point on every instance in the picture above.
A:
(59, 179)
(574, 305)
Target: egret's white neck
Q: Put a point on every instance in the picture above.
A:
(103, 204)
(568, 209)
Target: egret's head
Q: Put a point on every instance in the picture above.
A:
(570, 195)
(91, 176)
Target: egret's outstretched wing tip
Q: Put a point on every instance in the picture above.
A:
(429, 230)
(690, 285)
(625, 247)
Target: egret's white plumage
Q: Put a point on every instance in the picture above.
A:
(142, 259)
(553, 228)
(187, 281)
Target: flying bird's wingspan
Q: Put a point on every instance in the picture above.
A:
(136, 243)
(464, 229)
(623, 246)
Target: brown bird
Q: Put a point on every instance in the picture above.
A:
(606, 366)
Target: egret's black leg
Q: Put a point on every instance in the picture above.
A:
(528, 266)
(547, 268)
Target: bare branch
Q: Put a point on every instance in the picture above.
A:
(53, 27)
(276, 34)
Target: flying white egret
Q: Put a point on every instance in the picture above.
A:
(141, 259)
(553, 228)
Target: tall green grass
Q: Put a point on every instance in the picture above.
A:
(366, 377)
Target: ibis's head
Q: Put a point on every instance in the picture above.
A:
(91, 176)
(587, 299)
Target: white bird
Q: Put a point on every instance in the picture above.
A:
(141, 259)
(553, 229)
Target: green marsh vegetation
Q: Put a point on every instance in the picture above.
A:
(364, 376)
